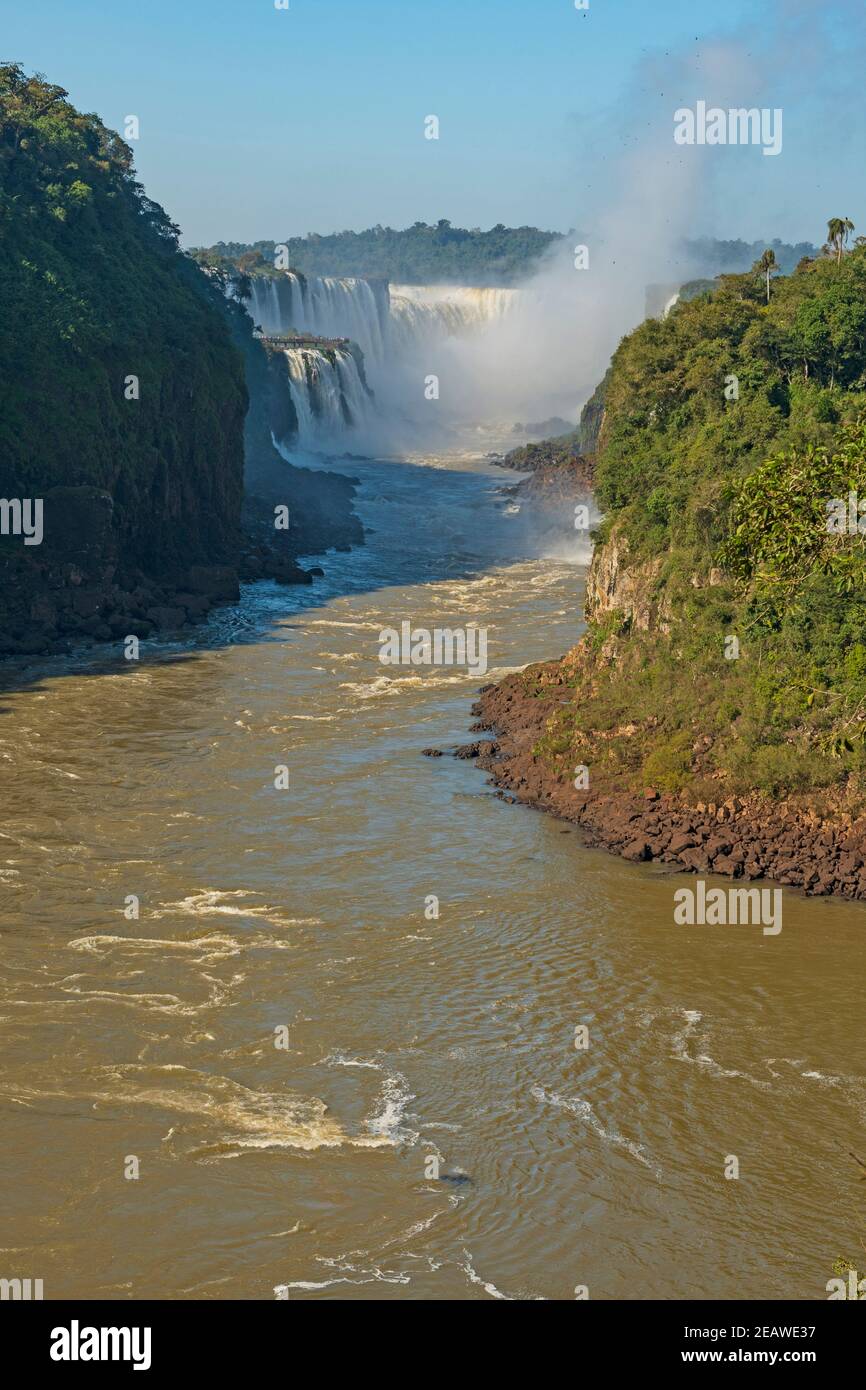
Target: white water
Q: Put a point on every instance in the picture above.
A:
(383, 323)
(325, 305)
(422, 315)
(404, 333)
(330, 398)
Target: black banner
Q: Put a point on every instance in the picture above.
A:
(239, 1337)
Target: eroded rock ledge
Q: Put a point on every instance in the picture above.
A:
(743, 837)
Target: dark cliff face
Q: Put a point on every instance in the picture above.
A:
(123, 397)
(133, 401)
(319, 503)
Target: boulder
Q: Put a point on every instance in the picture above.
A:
(214, 581)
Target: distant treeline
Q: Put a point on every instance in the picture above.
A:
(713, 257)
(426, 254)
(419, 254)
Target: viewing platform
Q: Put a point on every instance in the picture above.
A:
(299, 340)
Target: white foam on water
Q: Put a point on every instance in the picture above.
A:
(214, 901)
(339, 1059)
(387, 1123)
(490, 1288)
(584, 1111)
(679, 1044)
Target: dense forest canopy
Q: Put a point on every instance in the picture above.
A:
(732, 429)
(441, 254)
(420, 254)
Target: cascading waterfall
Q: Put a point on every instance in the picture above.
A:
(384, 323)
(400, 331)
(421, 315)
(329, 393)
(326, 306)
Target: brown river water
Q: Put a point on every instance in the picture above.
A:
(305, 1171)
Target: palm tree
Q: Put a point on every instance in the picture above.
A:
(838, 230)
(768, 266)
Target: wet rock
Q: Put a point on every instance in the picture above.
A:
(164, 617)
(196, 606)
(485, 749)
(215, 581)
(29, 646)
(289, 573)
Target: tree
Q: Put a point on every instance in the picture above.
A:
(838, 231)
(768, 266)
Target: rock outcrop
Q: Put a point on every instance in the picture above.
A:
(134, 403)
(630, 590)
(742, 838)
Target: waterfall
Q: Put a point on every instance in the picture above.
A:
(384, 324)
(399, 330)
(423, 314)
(324, 305)
(329, 393)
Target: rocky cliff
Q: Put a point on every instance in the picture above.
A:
(126, 414)
(721, 681)
(124, 399)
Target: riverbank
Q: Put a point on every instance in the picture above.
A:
(717, 702)
(411, 1034)
(554, 481)
(79, 591)
(745, 838)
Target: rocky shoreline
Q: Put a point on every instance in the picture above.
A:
(554, 483)
(76, 590)
(743, 838)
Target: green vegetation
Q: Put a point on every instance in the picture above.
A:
(426, 254)
(728, 429)
(420, 254)
(95, 291)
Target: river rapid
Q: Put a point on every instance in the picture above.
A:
(412, 1045)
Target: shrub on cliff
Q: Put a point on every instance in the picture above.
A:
(705, 395)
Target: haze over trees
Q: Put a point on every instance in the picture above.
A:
(419, 254)
(441, 254)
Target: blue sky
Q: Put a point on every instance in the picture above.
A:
(264, 123)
